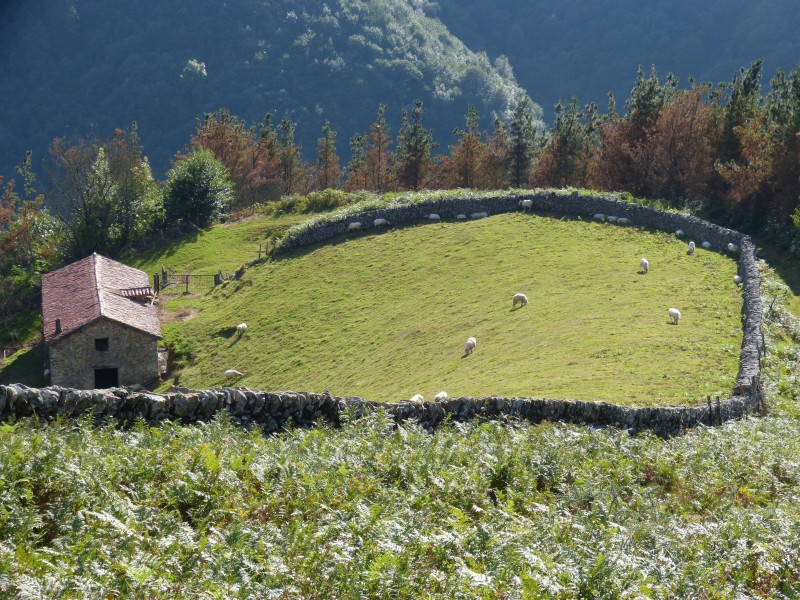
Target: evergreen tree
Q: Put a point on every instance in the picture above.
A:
(414, 145)
(291, 167)
(523, 142)
(357, 175)
(327, 159)
(198, 189)
(377, 151)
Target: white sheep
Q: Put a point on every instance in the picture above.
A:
(706, 245)
(599, 217)
(690, 250)
(737, 279)
(46, 373)
(526, 204)
(471, 343)
(354, 226)
(380, 222)
(433, 217)
(461, 216)
(679, 233)
(232, 374)
(241, 328)
(612, 219)
(623, 221)
(675, 315)
(479, 215)
(416, 398)
(441, 396)
(733, 248)
(520, 299)
(645, 264)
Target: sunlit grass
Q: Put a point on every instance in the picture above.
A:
(386, 316)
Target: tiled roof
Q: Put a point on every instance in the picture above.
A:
(91, 288)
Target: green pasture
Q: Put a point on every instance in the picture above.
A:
(385, 316)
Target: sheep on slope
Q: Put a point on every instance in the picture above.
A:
(675, 315)
(354, 226)
(416, 398)
(241, 328)
(520, 299)
(690, 250)
(232, 374)
(380, 222)
(441, 396)
(645, 264)
(526, 204)
(470, 346)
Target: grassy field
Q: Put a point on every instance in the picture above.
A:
(386, 316)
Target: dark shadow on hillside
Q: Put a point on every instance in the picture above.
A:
(26, 366)
(784, 264)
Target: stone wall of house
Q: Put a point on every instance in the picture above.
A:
(275, 410)
(74, 358)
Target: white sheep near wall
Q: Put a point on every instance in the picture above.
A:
(380, 222)
(461, 216)
(675, 315)
(232, 374)
(690, 250)
(706, 245)
(441, 396)
(354, 226)
(470, 346)
(434, 217)
(526, 204)
(733, 248)
(416, 398)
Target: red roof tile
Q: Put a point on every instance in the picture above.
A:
(91, 288)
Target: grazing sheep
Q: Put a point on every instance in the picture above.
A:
(380, 223)
(691, 248)
(479, 215)
(706, 245)
(441, 396)
(354, 226)
(675, 315)
(520, 299)
(611, 219)
(733, 248)
(623, 221)
(433, 217)
(241, 328)
(679, 233)
(737, 279)
(232, 374)
(645, 265)
(461, 216)
(599, 217)
(416, 398)
(526, 204)
(471, 343)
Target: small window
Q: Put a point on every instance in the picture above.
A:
(101, 344)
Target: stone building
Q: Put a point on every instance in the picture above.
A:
(100, 325)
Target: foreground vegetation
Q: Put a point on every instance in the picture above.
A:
(492, 510)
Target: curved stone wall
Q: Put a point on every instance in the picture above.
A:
(274, 410)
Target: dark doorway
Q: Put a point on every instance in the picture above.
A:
(105, 378)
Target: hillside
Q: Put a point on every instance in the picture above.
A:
(386, 316)
(565, 48)
(68, 68)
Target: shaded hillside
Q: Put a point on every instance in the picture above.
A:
(565, 48)
(68, 66)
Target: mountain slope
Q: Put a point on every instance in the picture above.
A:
(565, 48)
(67, 67)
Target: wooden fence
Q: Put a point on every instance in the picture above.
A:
(170, 282)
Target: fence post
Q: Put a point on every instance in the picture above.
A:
(155, 282)
(710, 411)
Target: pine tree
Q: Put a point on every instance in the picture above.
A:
(523, 142)
(414, 145)
(327, 159)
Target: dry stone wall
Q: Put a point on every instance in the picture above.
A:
(276, 410)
